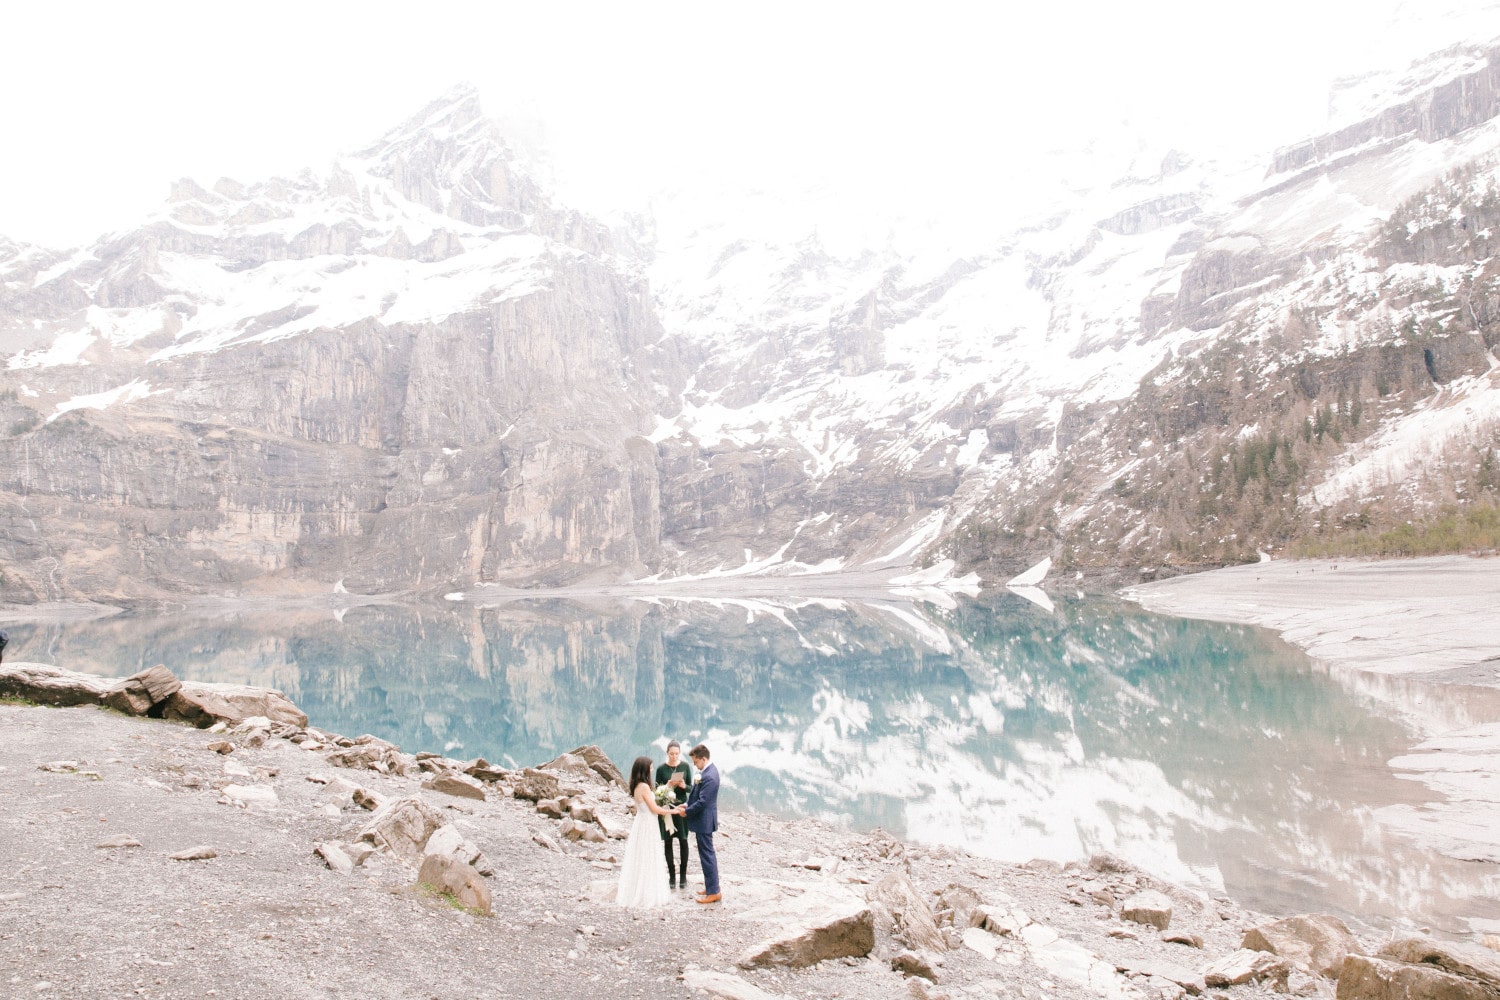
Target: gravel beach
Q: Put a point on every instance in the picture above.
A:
(94, 904)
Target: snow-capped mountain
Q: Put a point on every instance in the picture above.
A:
(419, 371)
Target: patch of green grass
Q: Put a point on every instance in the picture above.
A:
(1452, 532)
(433, 892)
(15, 699)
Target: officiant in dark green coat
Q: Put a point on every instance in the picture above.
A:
(677, 773)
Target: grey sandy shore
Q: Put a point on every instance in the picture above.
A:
(93, 904)
(1420, 636)
(1439, 617)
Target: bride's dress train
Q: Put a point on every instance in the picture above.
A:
(643, 873)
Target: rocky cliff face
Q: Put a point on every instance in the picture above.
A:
(413, 372)
(419, 372)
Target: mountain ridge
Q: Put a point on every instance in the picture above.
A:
(419, 372)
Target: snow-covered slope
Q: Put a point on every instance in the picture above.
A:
(416, 369)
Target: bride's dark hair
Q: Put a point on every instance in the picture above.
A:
(639, 772)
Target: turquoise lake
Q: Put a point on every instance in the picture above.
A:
(1214, 755)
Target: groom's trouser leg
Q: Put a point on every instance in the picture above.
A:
(709, 861)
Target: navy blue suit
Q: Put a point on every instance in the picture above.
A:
(703, 819)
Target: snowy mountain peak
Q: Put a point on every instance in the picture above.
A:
(485, 385)
(450, 115)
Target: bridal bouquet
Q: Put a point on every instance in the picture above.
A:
(666, 798)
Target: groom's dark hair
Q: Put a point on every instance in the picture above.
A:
(699, 752)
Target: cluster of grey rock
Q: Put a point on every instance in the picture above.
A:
(1301, 955)
(412, 832)
(155, 692)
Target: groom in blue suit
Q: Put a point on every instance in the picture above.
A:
(702, 812)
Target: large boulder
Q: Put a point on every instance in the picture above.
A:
(818, 924)
(460, 785)
(573, 830)
(202, 704)
(144, 693)
(402, 828)
(1148, 907)
(1365, 978)
(723, 985)
(536, 785)
(1466, 960)
(1005, 919)
(1247, 966)
(1316, 941)
(960, 906)
(447, 840)
(911, 919)
(49, 685)
(1169, 971)
(454, 878)
(597, 761)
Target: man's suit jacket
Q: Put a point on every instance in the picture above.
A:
(703, 802)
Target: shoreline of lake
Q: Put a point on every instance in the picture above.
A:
(1418, 635)
(218, 860)
(1432, 617)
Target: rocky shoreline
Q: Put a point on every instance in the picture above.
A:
(228, 848)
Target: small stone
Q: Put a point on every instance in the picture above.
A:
(366, 800)
(334, 857)
(251, 796)
(1191, 940)
(59, 766)
(120, 841)
(222, 747)
(200, 853)
(573, 830)
(911, 963)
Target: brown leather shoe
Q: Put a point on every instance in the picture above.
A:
(709, 897)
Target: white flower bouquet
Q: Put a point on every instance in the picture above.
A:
(667, 799)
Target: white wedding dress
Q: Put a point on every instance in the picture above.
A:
(643, 873)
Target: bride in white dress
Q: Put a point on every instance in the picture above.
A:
(643, 873)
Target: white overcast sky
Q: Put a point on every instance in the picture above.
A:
(106, 104)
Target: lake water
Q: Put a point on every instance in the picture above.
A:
(1214, 755)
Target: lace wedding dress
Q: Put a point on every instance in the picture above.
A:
(643, 873)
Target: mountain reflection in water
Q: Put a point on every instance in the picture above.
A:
(1211, 754)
